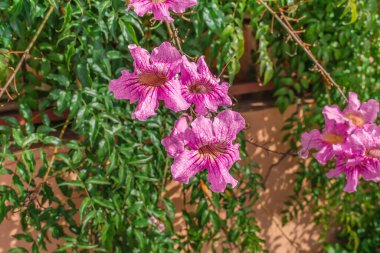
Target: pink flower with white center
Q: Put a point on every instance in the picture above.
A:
(175, 142)
(209, 145)
(356, 114)
(328, 144)
(201, 87)
(154, 79)
(361, 158)
(161, 8)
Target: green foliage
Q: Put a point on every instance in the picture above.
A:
(111, 170)
(345, 38)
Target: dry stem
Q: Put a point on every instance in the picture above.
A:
(294, 34)
(26, 52)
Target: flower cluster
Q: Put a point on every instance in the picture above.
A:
(160, 8)
(352, 138)
(197, 142)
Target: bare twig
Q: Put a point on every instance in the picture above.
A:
(226, 65)
(173, 34)
(55, 151)
(305, 47)
(26, 52)
(288, 153)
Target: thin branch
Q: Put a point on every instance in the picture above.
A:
(27, 50)
(299, 41)
(50, 166)
(288, 153)
(226, 65)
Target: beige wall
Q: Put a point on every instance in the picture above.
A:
(297, 236)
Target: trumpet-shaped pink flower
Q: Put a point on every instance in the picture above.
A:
(361, 158)
(328, 144)
(209, 145)
(154, 79)
(201, 87)
(160, 8)
(356, 114)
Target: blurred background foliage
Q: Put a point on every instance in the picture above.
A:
(119, 167)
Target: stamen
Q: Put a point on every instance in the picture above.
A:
(332, 138)
(374, 153)
(355, 118)
(152, 79)
(213, 150)
(157, 1)
(199, 88)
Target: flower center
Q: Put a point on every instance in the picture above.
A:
(199, 88)
(374, 153)
(157, 1)
(332, 138)
(213, 150)
(356, 119)
(152, 79)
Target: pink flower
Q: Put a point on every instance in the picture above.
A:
(361, 157)
(201, 87)
(175, 143)
(161, 8)
(161, 227)
(209, 145)
(356, 114)
(328, 143)
(154, 79)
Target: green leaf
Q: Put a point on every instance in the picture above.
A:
(72, 183)
(170, 208)
(97, 180)
(103, 202)
(24, 237)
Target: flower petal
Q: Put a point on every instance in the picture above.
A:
(371, 172)
(352, 180)
(148, 104)
(309, 141)
(180, 6)
(324, 155)
(219, 176)
(204, 70)
(141, 57)
(370, 110)
(187, 165)
(202, 103)
(182, 124)
(227, 124)
(223, 98)
(126, 87)
(175, 143)
(336, 172)
(161, 12)
(189, 72)
(165, 53)
(200, 133)
(141, 7)
(170, 93)
(333, 113)
(353, 102)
